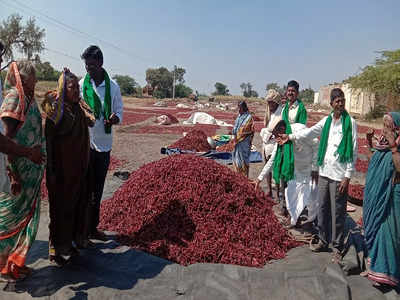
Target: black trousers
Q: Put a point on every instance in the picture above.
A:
(98, 167)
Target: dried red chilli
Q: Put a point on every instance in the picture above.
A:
(229, 147)
(361, 165)
(130, 118)
(210, 130)
(189, 209)
(356, 191)
(115, 163)
(195, 140)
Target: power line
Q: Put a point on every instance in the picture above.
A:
(66, 27)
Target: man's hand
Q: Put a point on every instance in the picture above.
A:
(35, 155)
(282, 139)
(112, 120)
(344, 185)
(256, 183)
(314, 176)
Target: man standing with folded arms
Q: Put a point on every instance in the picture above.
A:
(103, 96)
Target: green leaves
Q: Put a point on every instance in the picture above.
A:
(27, 39)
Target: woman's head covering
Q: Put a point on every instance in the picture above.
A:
(53, 103)
(391, 120)
(274, 96)
(14, 101)
(243, 105)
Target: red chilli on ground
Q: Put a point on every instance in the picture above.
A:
(189, 209)
(195, 140)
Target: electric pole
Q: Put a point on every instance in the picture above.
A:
(173, 85)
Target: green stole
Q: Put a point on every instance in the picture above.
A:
(284, 159)
(93, 100)
(345, 149)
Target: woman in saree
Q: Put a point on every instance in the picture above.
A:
(20, 208)
(67, 139)
(243, 132)
(381, 205)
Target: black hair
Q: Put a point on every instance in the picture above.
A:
(293, 83)
(279, 124)
(70, 76)
(243, 105)
(93, 52)
(336, 93)
(1, 48)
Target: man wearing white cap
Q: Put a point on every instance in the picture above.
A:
(273, 114)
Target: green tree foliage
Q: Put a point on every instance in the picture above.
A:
(221, 89)
(382, 78)
(45, 72)
(127, 84)
(161, 80)
(307, 95)
(25, 38)
(182, 91)
(248, 91)
(275, 86)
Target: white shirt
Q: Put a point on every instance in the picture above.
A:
(293, 111)
(331, 168)
(305, 156)
(266, 133)
(99, 140)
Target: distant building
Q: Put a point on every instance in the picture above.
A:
(357, 101)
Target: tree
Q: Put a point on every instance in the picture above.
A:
(275, 86)
(182, 91)
(272, 86)
(307, 95)
(161, 80)
(248, 90)
(45, 71)
(220, 89)
(127, 84)
(27, 39)
(381, 78)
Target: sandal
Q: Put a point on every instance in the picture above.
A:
(7, 278)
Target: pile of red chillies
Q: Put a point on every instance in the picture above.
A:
(195, 140)
(228, 147)
(190, 209)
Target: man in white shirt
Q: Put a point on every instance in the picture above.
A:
(301, 191)
(103, 96)
(294, 111)
(336, 158)
(273, 112)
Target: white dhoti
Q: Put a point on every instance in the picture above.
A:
(300, 193)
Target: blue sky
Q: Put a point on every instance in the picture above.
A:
(314, 42)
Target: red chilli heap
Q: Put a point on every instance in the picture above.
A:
(195, 140)
(189, 209)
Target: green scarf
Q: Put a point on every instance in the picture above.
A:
(345, 149)
(284, 159)
(91, 98)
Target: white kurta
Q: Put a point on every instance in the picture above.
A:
(332, 168)
(266, 133)
(300, 191)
